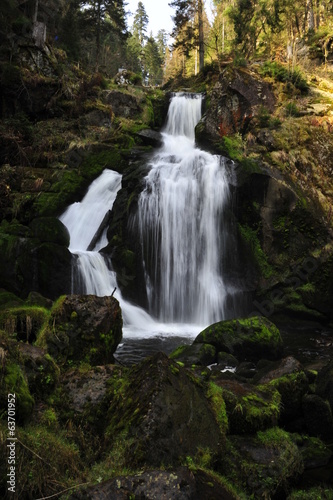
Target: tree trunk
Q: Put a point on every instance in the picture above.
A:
(98, 35)
(201, 36)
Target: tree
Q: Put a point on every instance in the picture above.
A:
(152, 62)
(103, 16)
(140, 24)
(188, 31)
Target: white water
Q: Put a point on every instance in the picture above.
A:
(180, 214)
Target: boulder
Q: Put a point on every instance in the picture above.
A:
(163, 412)
(247, 339)
(177, 484)
(270, 463)
(150, 137)
(289, 379)
(249, 408)
(83, 327)
(318, 417)
(196, 354)
(122, 104)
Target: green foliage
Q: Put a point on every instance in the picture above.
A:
(282, 74)
(291, 109)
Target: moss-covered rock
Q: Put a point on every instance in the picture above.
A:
(83, 327)
(249, 408)
(163, 412)
(314, 452)
(289, 379)
(253, 338)
(265, 465)
(195, 354)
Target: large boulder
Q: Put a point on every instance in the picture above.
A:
(247, 339)
(163, 412)
(83, 327)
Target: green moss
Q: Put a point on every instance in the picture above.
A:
(255, 410)
(215, 396)
(15, 383)
(25, 322)
(250, 236)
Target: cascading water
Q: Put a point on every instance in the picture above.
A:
(180, 221)
(180, 215)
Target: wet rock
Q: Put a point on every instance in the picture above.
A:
(165, 413)
(150, 137)
(180, 484)
(84, 327)
(318, 417)
(196, 354)
(225, 360)
(247, 339)
(249, 408)
(246, 369)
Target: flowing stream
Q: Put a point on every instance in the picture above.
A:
(180, 221)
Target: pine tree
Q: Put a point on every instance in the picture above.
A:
(103, 16)
(152, 62)
(140, 24)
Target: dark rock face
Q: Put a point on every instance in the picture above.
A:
(234, 101)
(178, 484)
(51, 230)
(97, 118)
(166, 412)
(122, 104)
(150, 137)
(85, 327)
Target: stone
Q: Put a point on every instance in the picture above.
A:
(83, 327)
(176, 484)
(318, 417)
(165, 413)
(249, 408)
(196, 354)
(51, 230)
(122, 104)
(247, 339)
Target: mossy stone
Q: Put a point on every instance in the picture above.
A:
(196, 354)
(247, 339)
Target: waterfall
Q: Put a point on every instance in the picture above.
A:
(180, 216)
(182, 230)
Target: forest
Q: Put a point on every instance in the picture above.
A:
(166, 251)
